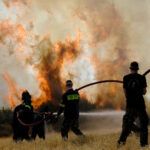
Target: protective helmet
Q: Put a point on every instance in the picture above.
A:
(69, 83)
(26, 95)
(134, 65)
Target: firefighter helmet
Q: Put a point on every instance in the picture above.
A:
(69, 83)
(134, 65)
(26, 95)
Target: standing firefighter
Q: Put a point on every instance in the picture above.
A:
(24, 112)
(70, 106)
(134, 86)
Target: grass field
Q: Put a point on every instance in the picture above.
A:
(102, 132)
(90, 142)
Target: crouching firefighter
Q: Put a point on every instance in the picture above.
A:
(70, 106)
(23, 112)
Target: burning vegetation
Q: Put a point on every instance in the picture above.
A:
(84, 44)
(49, 65)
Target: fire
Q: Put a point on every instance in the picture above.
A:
(50, 66)
(118, 107)
(57, 57)
(101, 103)
(14, 91)
(46, 94)
(13, 31)
(21, 33)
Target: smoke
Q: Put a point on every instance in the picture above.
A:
(8, 3)
(48, 60)
(109, 41)
(44, 43)
(100, 20)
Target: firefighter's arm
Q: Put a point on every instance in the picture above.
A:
(18, 113)
(144, 91)
(61, 106)
(61, 109)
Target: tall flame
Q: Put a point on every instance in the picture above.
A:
(48, 44)
(13, 91)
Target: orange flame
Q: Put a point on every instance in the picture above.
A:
(101, 103)
(52, 57)
(50, 67)
(118, 107)
(14, 91)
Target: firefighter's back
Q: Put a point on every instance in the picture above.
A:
(134, 84)
(72, 104)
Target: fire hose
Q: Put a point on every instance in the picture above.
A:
(36, 123)
(98, 82)
(106, 81)
(87, 85)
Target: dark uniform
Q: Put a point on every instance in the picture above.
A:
(25, 113)
(134, 84)
(38, 129)
(70, 106)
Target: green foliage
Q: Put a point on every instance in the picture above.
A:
(83, 104)
(5, 130)
(86, 106)
(48, 106)
(6, 116)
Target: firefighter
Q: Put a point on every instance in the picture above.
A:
(24, 112)
(134, 86)
(70, 106)
(38, 129)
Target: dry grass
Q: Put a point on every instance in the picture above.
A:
(102, 133)
(53, 141)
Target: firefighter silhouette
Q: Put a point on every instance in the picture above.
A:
(70, 106)
(24, 112)
(134, 86)
(40, 128)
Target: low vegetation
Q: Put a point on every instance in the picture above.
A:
(6, 115)
(90, 142)
(5, 122)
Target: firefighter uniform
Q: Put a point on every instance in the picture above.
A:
(70, 106)
(134, 85)
(24, 112)
(38, 129)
